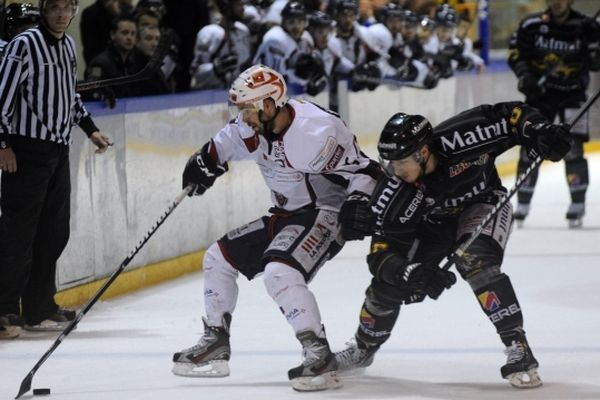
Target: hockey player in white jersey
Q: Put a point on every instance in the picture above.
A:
(283, 45)
(446, 53)
(396, 66)
(222, 50)
(311, 163)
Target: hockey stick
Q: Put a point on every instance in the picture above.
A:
(460, 251)
(26, 383)
(145, 73)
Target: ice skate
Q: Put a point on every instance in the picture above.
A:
(575, 215)
(521, 366)
(10, 326)
(318, 370)
(521, 213)
(354, 358)
(55, 322)
(208, 358)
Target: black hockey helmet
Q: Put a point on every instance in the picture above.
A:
(343, 5)
(392, 10)
(403, 135)
(293, 9)
(411, 17)
(44, 3)
(446, 16)
(427, 23)
(319, 19)
(18, 15)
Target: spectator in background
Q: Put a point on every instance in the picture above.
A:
(147, 41)
(95, 27)
(222, 50)
(462, 33)
(186, 18)
(120, 58)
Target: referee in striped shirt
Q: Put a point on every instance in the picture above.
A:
(38, 108)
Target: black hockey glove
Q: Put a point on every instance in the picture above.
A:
(528, 85)
(440, 279)
(356, 218)
(553, 141)
(202, 171)
(366, 76)
(316, 85)
(225, 64)
(308, 66)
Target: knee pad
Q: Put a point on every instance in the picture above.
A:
(287, 287)
(220, 286)
(499, 302)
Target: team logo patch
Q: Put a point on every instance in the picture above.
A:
(366, 319)
(489, 301)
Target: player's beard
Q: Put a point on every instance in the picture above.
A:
(267, 127)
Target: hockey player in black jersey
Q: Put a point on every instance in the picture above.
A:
(552, 53)
(441, 184)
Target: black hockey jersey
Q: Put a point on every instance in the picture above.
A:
(466, 146)
(559, 55)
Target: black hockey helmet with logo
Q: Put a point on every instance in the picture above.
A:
(403, 135)
(293, 9)
(19, 15)
(343, 5)
(319, 19)
(445, 15)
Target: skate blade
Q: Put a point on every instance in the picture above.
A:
(525, 380)
(575, 223)
(352, 372)
(211, 369)
(328, 380)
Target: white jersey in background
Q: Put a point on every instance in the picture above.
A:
(279, 51)
(213, 41)
(301, 165)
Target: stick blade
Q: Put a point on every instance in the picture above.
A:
(25, 385)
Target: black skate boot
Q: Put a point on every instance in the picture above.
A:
(357, 355)
(318, 370)
(209, 358)
(575, 215)
(521, 213)
(521, 366)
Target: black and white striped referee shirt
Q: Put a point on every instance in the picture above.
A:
(38, 75)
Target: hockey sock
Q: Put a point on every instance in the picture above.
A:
(525, 193)
(220, 286)
(499, 302)
(577, 178)
(376, 322)
(288, 289)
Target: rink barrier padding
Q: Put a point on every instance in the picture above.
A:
(136, 279)
(116, 196)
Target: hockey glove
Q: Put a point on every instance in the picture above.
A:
(528, 85)
(440, 280)
(316, 85)
(553, 141)
(225, 64)
(308, 66)
(356, 218)
(366, 76)
(202, 170)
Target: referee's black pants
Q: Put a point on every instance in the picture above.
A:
(34, 227)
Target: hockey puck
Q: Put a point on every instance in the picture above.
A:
(41, 392)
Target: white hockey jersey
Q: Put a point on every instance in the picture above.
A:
(279, 51)
(316, 162)
(211, 42)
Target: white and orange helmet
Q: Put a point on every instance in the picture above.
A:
(255, 84)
